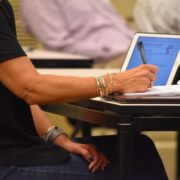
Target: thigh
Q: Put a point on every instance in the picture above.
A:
(146, 161)
(76, 168)
(146, 164)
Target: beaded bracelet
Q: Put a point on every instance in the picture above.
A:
(101, 86)
(104, 88)
(111, 84)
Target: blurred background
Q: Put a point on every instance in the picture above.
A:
(165, 141)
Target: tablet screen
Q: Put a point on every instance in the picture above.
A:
(159, 51)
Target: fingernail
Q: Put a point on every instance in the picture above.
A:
(90, 159)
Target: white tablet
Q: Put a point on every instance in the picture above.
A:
(162, 50)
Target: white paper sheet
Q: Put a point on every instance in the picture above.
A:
(169, 90)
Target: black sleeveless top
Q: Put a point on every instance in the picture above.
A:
(19, 141)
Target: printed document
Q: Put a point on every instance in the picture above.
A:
(168, 90)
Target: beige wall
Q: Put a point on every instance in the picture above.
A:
(24, 38)
(124, 7)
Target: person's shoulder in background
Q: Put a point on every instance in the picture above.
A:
(96, 30)
(158, 16)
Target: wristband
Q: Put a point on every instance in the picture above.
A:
(52, 134)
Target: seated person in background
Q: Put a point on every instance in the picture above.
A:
(158, 16)
(87, 27)
(32, 149)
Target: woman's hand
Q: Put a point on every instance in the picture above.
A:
(138, 79)
(97, 161)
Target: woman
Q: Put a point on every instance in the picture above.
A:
(31, 148)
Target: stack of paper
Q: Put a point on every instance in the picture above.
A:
(169, 94)
(169, 90)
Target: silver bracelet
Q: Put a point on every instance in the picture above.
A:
(101, 86)
(111, 84)
(52, 134)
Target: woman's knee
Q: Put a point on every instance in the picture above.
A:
(145, 141)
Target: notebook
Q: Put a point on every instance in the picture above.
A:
(162, 50)
(157, 94)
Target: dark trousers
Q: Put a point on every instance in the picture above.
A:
(147, 164)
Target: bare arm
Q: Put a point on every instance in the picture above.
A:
(20, 76)
(42, 123)
(96, 160)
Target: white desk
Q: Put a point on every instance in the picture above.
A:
(52, 59)
(46, 54)
(85, 72)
